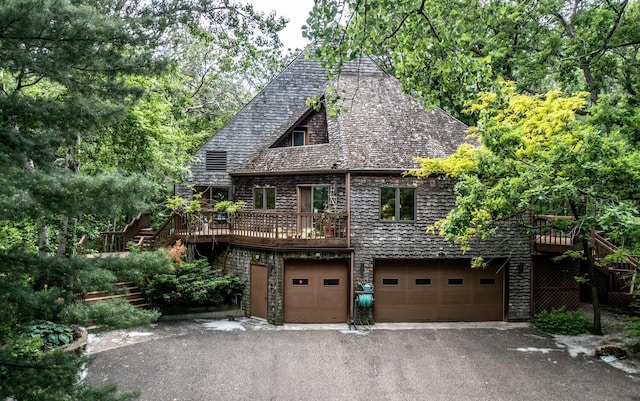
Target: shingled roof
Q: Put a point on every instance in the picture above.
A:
(268, 115)
(381, 129)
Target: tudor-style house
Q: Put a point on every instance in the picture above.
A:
(328, 207)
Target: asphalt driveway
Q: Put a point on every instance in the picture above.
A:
(205, 360)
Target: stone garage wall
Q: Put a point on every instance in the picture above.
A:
(239, 261)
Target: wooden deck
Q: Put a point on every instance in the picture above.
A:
(555, 243)
(260, 229)
(259, 238)
(549, 238)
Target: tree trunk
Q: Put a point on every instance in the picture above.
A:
(591, 270)
(62, 237)
(43, 241)
(595, 302)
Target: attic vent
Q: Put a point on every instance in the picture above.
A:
(216, 161)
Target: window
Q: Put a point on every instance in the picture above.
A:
(456, 281)
(264, 198)
(331, 281)
(216, 161)
(423, 281)
(298, 138)
(487, 281)
(389, 281)
(300, 281)
(397, 204)
(211, 195)
(320, 198)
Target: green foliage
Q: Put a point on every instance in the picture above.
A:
(56, 375)
(51, 334)
(229, 206)
(20, 304)
(109, 315)
(536, 150)
(561, 321)
(444, 52)
(134, 268)
(100, 104)
(194, 284)
(179, 205)
(632, 328)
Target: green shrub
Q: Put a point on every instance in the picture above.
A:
(561, 321)
(194, 284)
(94, 278)
(137, 266)
(114, 314)
(51, 334)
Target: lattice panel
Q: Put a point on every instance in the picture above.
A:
(620, 300)
(554, 284)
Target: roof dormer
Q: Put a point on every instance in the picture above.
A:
(310, 129)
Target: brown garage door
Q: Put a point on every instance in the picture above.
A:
(437, 290)
(316, 291)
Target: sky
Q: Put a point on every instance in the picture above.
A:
(296, 11)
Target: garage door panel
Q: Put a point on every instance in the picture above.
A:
(424, 297)
(324, 296)
(437, 290)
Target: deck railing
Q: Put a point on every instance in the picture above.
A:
(116, 241)
(621, 273)
(276, 225)
(548, 232)
(245, 225)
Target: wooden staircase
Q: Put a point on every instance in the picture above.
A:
(125, 290)
(621, 273)
(138, 233)
(144, 239)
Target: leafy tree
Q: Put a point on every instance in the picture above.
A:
(81, 83)
(446, 51)
(536, 150)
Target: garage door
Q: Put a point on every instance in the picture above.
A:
(437, 290)
(316, 291)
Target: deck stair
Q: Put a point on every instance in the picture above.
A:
(144, 238)
(549, 238)
(624, 271)
(124, 290)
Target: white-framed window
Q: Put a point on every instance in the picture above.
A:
(298, 138)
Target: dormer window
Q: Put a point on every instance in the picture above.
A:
(298, 138)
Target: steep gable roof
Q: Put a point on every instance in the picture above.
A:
(381, 129)
(268, 115)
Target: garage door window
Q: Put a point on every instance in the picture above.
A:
(300, 281)
(423, 281)
(331, 281)
(487, 281)
(389, 281)
(456, 281)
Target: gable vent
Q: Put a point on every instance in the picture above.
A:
(216, 161)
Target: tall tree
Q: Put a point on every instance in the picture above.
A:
(447, 51)
(536, 150)
(82, 79)
(68, 76)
